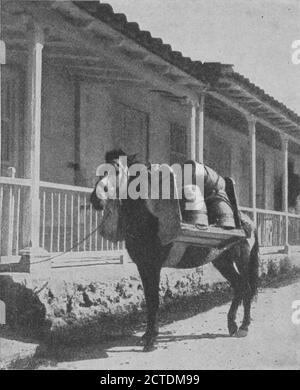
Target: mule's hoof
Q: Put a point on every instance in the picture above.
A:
(147, 337)
(149, 347)
(232, 329)
(141, 341)
(241, 333)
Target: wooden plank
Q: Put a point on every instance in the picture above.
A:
(200, 131)
(65, 222)
(18, 219)
(15, 181)
(58, 221)
(52, 222)
(1, 208)
(65, 187)
(210, 236)
(252, 136)
(11, 215)
(44, 219)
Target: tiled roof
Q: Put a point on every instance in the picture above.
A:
(205, 72)
(259, 92)
(105, 13)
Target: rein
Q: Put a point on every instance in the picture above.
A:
(70, 249)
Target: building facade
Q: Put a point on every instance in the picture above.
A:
(78, 80)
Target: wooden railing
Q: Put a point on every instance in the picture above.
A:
(67, 218)
(294, 230)
(12, 199)
(271, 226)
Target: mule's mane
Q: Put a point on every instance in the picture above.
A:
(115, 154)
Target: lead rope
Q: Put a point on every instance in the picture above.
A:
(70, 249)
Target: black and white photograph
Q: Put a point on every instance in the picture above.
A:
(149, 187)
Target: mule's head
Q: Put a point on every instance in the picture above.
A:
(112, 178)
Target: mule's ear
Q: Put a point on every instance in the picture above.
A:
(167, 211)
(95, 201)
(131, 158)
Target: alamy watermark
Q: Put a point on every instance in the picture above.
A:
(154, 181)
(296, 312)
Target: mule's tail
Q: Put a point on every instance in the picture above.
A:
(254, 267)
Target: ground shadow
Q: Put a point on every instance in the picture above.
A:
(178, 309)
(51, 354)
(48, 357)
(281, 280)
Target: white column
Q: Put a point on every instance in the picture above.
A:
(2, 62)
(33, 135)
(285, 146)
(285, 184)
(252, 137)
(200, 130)
(191, 133)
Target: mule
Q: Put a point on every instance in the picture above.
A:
(238, 265)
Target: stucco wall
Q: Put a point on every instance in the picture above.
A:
(100, 123)
(238, 144)
(57, 130)
(96, 128)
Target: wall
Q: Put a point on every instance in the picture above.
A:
(100, 123)
(101, 113)
(238, 144)
(96, 128)
(57, 129)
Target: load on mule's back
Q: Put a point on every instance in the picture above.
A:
(152, 228)
(210, 204)
(201, 199)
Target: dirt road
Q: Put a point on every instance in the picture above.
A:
(201, 342)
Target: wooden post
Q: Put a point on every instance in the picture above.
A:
(285, 184)
(2, 62)
(191, 135)
(200, 130)
(33, 135)
(0, 116)
(33, 255)
(252, 136)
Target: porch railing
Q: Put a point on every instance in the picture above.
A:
(13, 193)
(271, 226)
(67, 217)
(294, 230)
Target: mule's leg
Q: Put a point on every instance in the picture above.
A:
(243, 267)
(150, 279)
(226, 267)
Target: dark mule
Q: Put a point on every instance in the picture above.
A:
(239, 264)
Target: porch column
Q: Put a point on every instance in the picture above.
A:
(32, 136)
(2, 62)
(200, 129)
(191, 133)
(252, 137)
(285, 184)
